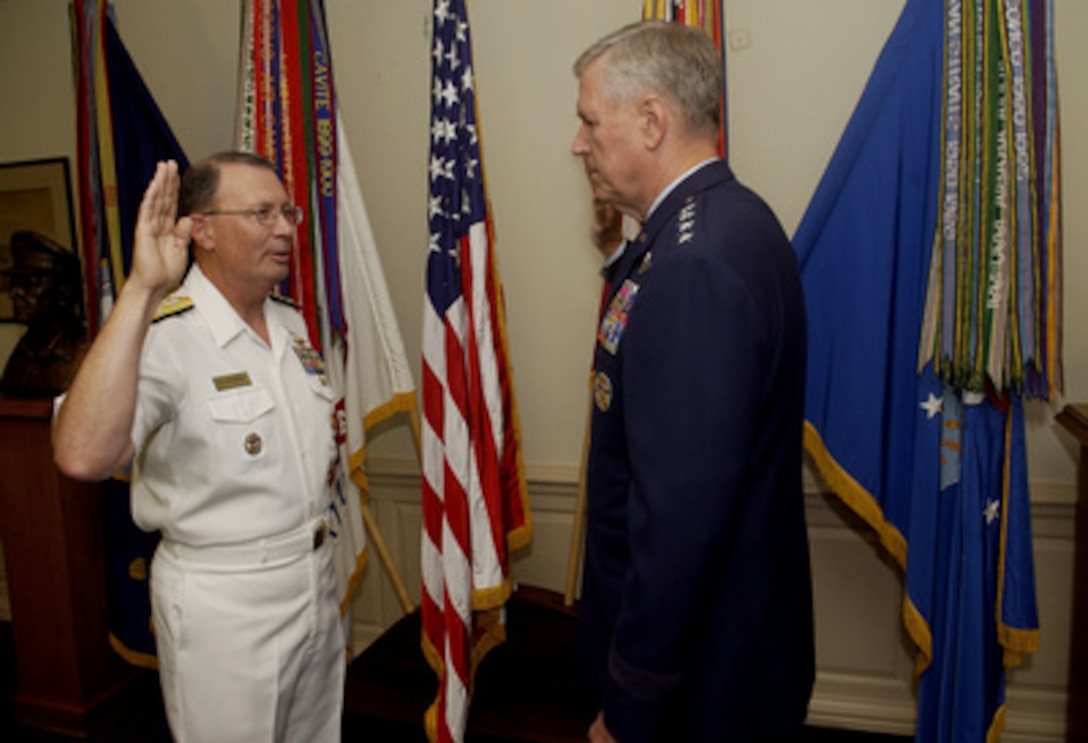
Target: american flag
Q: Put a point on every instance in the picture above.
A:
(474, 501)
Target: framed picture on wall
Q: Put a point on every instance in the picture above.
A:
(34, 196)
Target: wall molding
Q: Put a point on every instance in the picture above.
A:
(875, 692)
(865, 662)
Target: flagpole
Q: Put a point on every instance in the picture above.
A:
(375, 535)
(374, 531)
(578, 531)
(413, 422)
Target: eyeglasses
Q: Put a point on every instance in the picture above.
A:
(265, 215)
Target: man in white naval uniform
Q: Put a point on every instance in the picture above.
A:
(216, 396)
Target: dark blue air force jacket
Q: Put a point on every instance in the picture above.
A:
(696, 613)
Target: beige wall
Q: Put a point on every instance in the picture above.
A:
(796, 68)
(791, 88)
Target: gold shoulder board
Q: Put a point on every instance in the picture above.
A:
(173, 304)
(286, 300)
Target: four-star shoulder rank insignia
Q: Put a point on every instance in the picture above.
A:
(171, 305)
(685, 223)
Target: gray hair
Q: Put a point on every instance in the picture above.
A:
(675, 61)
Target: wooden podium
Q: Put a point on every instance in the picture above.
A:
(1074, 418)
(52, 533)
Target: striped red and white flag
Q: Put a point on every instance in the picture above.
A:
(475, 508)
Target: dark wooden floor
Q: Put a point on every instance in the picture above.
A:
(527, 690)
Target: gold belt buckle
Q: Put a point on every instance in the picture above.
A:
(320, 533)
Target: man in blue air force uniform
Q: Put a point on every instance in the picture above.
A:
(696, 610)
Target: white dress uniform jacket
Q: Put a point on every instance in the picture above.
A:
(234, 440)
(235, 449)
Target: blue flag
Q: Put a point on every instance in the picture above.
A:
(940, 478)
(122, 136)
(141, 136)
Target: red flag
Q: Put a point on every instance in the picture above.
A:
(288, 112)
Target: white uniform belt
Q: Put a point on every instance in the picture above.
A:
(295, 543)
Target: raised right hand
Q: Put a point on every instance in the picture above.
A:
(160, 251)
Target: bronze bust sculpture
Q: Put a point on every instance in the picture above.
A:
(45, 289)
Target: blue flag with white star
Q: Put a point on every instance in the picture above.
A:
(941, 477)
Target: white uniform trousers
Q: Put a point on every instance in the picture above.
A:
(250, 643)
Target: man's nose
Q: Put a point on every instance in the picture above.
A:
(578, 145)
(283, 225)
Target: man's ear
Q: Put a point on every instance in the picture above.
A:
(653, 120)
(202, 233)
